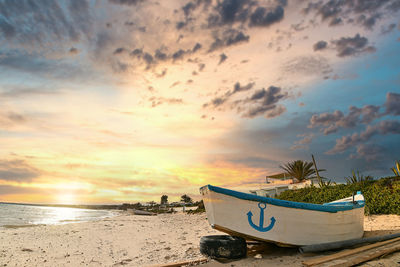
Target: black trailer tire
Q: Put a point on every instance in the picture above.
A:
(223, 246)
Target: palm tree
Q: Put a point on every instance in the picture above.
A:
(396, 171)
(186, 199)
(164, 200)
(358, 178)
(301, 170)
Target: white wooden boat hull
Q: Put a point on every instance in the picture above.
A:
(284, 222)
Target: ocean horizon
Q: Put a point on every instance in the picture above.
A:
(14, 215)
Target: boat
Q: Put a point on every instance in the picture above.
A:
(283, 222)
(141, 212)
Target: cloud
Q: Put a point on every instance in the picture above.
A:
(6, 28)
(10, 118)
(119, 50)
(228, 38)
(73, 51)
(335, 120)
(383, 128)
(156, 101)
(320, 45)
(371, 152)
(218, 101)
(19, 92)
(18, 190)
(307, 65)
(368, 22)
(25, 62)
(178, 54)
(102, 41)
(370, 113)
(148, 59)
(188, 10)
(138, 52)
(326, 119)
(159, 55)
(238, 88)
(364, 13)
(162, 74)
(352, 46)
(17, 170)
(53, 22)
(332, 122)
(222, 58)
(193, 5)
(328, 10)
(119, 67)
(336, 21)
(229, 12)
(392, 104)
(263, 102)
(196, 47)
(201, 66)
(262, 17)
(388, 29)
(304, 142)
(126, 2)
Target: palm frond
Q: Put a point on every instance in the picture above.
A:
(299, 169)
(396, 169)
(357, 178)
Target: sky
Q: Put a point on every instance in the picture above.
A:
(122, 101)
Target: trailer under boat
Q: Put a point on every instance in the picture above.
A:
(285, 223)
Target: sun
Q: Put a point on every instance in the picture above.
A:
(66, 198)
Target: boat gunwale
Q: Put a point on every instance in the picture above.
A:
(331, 208)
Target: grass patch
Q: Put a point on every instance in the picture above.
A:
(381, 196)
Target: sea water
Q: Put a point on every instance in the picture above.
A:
(17, 215)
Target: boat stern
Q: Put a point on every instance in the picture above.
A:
(208, 205)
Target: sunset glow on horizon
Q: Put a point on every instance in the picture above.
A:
(126, 100)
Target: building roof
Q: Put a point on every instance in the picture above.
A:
(282, 175)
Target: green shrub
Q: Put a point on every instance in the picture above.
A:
(381, 196)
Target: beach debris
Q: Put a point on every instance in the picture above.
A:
(142, 212)
(344, 244)
(182, 263)
(27, 250)
(258, 256)
(123, 262)
(357, 255)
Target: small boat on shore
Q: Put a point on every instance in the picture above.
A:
(283, 222)
(141, 212)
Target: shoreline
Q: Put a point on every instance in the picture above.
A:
(24, 216)
(135, 240)
(62, 222)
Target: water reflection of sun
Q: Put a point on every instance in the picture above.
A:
(64, 215)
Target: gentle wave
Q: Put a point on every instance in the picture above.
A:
(18, 216)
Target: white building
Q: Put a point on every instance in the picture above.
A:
(276, 184)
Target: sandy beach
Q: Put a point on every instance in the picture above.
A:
(133, 240)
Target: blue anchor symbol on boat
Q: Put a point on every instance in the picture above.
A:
(261, 227)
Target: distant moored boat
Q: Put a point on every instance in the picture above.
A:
(283, 222)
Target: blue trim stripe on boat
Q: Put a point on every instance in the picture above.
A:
(342, 203)
(286, 203)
